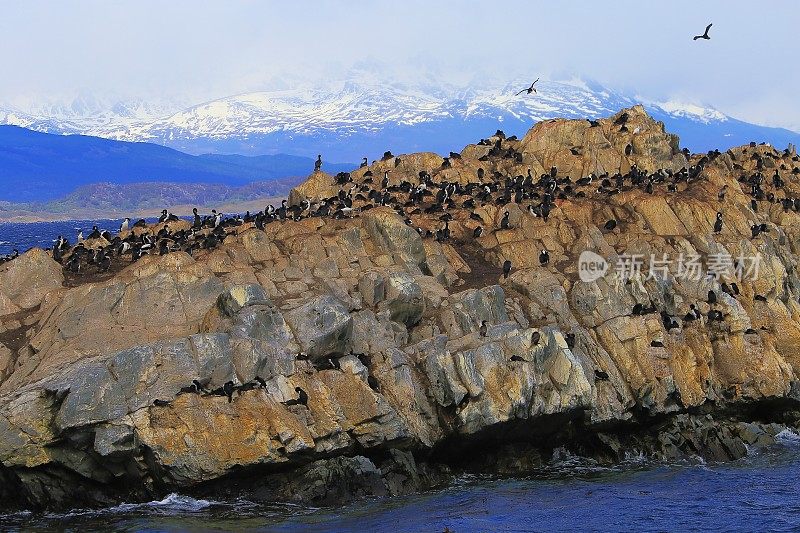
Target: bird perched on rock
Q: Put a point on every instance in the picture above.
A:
(705, 34)
(504, 221)
(195, 388)
(318, 163)
(228, 389)
(718, 223)
(570, 338)
(692, 315)
(483, 330)
(529, 90)
(544, 257)
(506, 268)
(302, 398)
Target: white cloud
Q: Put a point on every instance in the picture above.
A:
(187, 51)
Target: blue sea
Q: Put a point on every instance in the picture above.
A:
(757, 493)
(25, 235)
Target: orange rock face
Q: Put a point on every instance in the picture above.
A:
(387, 310)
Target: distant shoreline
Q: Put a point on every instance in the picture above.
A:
(25, 216)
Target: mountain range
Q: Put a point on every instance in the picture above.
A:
(41, 167)
(362, 117)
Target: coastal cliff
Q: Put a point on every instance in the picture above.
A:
(405, 388)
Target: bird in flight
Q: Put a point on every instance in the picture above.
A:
(529, 90)
(705, 34)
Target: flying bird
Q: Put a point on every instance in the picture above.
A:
(705, 34)
(529, 90)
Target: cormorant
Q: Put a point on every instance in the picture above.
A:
(705, 34)
(529, 90)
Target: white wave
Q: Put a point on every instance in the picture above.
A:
(635, 457)
(788, 436)
(172, 502)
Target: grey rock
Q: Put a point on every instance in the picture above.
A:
(214, 358)
(239, 296)
(322, 326)
(115, 439)
(262, 322)
(372, 287)
(334, 481)
(404, 298)
(387, 230)
(253, 357)
(471, 307)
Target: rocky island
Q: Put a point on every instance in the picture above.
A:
(425, 326)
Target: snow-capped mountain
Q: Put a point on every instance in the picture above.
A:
(355, 118)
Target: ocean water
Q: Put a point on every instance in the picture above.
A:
(23, 236)
(756, 493)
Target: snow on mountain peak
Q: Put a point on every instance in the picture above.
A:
(357, 104)
(693, 111)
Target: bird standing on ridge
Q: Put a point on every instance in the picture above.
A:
(544, 257)
(718, 223)
(529, 90)
(705, 34)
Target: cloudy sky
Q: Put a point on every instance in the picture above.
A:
(192, 51)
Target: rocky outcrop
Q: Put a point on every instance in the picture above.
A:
(380, 325)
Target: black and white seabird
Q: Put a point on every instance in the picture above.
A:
(506, 268)
(504, 221)
(529, 90)
(302, 398)
(544, 257)
(228, 389)
(718, 223)
(705, 34)
(483, 330)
